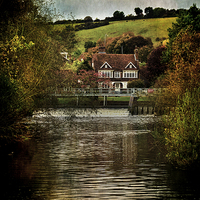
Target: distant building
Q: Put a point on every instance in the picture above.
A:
(119, 68)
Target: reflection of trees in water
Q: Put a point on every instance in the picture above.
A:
(129, 149)
(91, 157)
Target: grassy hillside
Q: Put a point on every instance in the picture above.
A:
(152, 28)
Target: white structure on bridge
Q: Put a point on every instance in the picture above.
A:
(134, 92)
(131, 92)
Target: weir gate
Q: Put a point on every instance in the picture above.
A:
(134, 93)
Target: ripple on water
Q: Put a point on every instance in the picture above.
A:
(93, 157)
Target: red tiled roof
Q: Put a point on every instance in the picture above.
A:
(118, 62)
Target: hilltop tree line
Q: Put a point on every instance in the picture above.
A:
(148, 12)
(89, 23)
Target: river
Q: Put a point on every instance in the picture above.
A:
(103, 155)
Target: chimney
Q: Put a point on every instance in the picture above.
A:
(136, 56)
(102, 49)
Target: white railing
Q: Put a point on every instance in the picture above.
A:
(107, 92)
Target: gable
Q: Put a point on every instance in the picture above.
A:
(105, 66)
(130, 66)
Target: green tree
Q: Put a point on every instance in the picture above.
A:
(136, 84)
(84, 66)
(65, 37)
(89, 44)
(118, 15)
(88, 19)
(159, 12)
(29, 60)
(128, 41)
(182, 131)
(138, 11)
(149, 12)
(188, 18)
(144, 53)
(182, 91)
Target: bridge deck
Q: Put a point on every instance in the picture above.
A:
(132, 92)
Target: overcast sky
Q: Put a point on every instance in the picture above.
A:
(105, 8)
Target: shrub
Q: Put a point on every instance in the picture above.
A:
(89, 44)
(8, 92)
(136, 84)
(183, 130)
(144, 52)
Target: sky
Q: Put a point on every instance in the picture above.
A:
(105, 8)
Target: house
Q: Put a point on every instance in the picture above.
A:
(119, 68)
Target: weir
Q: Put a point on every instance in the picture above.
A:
(134, 106)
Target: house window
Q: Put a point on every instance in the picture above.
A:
(104, 85)
(106, 74)
(116, 74)
(130, 74)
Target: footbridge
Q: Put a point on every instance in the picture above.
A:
(132, 92)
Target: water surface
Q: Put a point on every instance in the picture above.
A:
(103, 155)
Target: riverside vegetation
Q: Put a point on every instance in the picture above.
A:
(182, 91)
(31, 67)
(29, 61)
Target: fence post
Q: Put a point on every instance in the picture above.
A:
(77, 101)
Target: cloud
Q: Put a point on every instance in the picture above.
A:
(106, 8)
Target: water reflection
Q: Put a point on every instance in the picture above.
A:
(93, 158)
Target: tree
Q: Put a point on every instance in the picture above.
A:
(118, 15)
(155, 67)
(182, 83)
(189, 18)
(88, 19)
(11, 10)
(97, 20)
(182, 131)
(127, 41)
(149, 12)
(65, 37)
(89, 44)
(136, 84)
(186, 72)
(159, 12)
(84, 66)
(138, 11)
(29, 58)
(144, 53)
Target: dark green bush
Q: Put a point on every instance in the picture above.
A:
(183, 130)
(136, 84)
(8, 101)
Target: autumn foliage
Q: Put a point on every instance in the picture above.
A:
(186, 72)
(182, 95)
(29, 58)
(154, 66)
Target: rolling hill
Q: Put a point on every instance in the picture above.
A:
(153, 28)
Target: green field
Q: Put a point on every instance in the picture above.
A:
(152, 28)
(115, 98)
